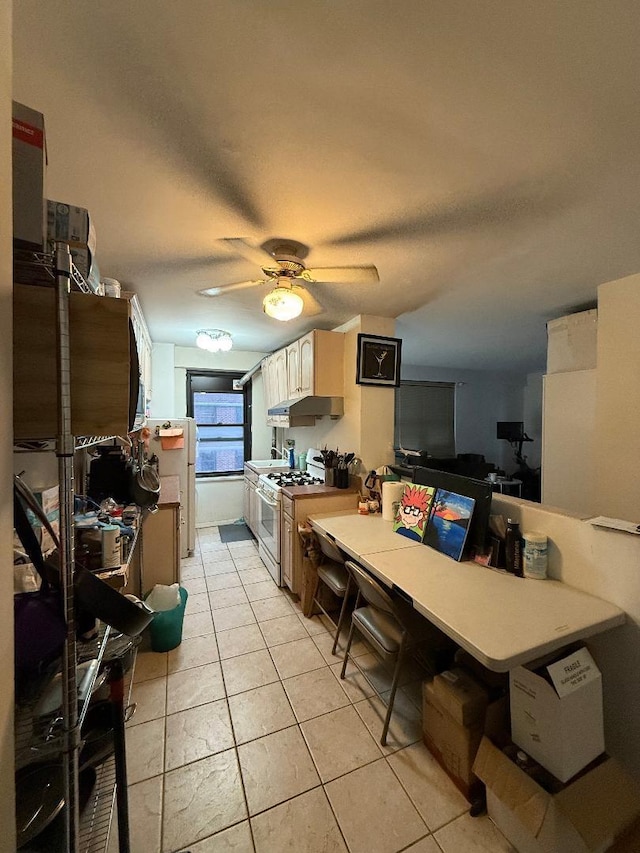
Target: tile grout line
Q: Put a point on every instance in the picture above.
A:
(281, 679)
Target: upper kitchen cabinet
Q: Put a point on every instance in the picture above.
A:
(315, 365)
(312, 366)
(100, 343)
(275, 382)
(143, 342)
(280, 374)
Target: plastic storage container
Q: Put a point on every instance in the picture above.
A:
(534, 555)
(166, 627)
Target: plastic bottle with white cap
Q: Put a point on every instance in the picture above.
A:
(534, 555)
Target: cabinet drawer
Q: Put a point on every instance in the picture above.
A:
(287, 506)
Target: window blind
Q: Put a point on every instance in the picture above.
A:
(425, 417)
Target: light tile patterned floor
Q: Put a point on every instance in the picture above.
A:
(246, 740)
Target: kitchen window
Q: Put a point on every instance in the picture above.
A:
(222, 413)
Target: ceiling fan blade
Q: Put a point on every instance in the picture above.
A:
(311, 304)
(355, 275)
(228, 288)
(522, 201)
(251, 253)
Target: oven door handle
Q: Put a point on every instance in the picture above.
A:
(265, 499)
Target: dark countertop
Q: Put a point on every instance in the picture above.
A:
(403, 470)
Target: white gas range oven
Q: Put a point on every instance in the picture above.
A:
(269, 514)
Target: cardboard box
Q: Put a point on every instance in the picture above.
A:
(572, 342)
(71, 224)
(49, 500)
(461, 696)
(74, 226)
(454, 744)
(584, 817)
(559, 720)
(29, 154)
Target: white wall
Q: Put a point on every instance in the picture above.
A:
(163, 397)
(219, 500)
(592, 428)
(532, 416)
(569, 445)
(603, 563)
(617, 442)
(7, 804)
(482, 399)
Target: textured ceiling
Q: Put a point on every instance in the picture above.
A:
(484, 156)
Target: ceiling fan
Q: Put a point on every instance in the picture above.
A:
(288, 274)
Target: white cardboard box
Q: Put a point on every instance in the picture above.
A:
(560, 724)
(572, 342)
(585, 817)
(49, 500)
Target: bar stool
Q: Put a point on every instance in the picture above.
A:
(334, 574)
(392, 627)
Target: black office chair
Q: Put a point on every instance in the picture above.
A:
(334, 575)
(393, 628)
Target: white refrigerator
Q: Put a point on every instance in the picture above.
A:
(181, 462)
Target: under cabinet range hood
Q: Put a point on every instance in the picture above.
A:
(310, 406)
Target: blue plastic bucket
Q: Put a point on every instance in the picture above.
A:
(166, 626)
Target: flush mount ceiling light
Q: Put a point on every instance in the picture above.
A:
(282, 303)
(214, 340)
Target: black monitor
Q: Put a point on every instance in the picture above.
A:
(510, 430)
(479, 490)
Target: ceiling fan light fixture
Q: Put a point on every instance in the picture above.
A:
(214, 340)
(282, 303)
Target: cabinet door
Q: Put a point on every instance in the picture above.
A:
(246, 503)
(280, 362)
(270, 389)
(254, 501)
(286, 550)
(293, 371)
(306, 366)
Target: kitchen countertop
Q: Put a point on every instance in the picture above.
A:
(297, 492)
(255, 466)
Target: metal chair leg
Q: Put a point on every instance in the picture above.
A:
(392, 695)
(343, 611)
(346, 651)
(315, 595)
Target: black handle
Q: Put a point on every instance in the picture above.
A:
(116, 684)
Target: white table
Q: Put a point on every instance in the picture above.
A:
(362, 534)
(500, 619)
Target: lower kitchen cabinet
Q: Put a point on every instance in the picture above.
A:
(161, 538)
(295, 510)
(251, 499)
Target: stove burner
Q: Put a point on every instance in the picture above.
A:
(294, 478)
